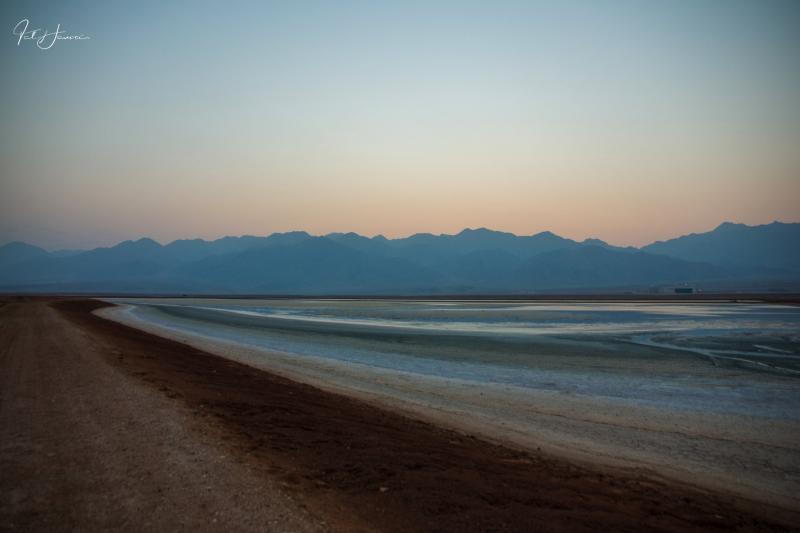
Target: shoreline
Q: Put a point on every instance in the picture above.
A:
(358, 467)
(723, 453)
(779, 298)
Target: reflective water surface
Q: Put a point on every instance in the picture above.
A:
(712, 357)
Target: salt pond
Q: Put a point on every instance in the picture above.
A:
(706, 392)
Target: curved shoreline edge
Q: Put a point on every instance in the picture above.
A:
(724, 454)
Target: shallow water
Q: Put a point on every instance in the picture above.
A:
(709, 357)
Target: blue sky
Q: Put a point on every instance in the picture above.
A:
(630, 121)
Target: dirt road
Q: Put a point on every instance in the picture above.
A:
(106, 427)
(85, 446)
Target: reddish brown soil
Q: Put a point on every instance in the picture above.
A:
(363, 467)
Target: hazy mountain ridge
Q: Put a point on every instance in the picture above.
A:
(472, 261)
(769, 246)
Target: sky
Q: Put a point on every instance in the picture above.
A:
(630, 121)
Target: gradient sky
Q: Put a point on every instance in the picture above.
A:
(629, 121)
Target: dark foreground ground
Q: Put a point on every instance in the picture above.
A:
(106, 427)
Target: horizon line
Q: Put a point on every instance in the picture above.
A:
(380, 235)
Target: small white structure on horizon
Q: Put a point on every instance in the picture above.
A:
(674, 289)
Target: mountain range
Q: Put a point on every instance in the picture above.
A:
(733, 256)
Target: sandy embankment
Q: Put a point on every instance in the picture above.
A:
(752, 457)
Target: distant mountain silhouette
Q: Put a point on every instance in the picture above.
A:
(16, 252)
(773, 246)
(472, 261)
(595, 266)
(314, 265)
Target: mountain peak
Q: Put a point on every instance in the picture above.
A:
(348, 235)
(483, 232)
(144, 242)
(18, 251)
(19, 245)
(547, 235)
(468, 231)
(728, 226)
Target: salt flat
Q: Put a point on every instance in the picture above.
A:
(704, 393)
